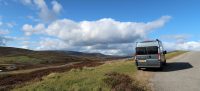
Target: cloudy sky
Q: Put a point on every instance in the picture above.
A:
(105, 26)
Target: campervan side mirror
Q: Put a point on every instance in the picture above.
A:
(165, 52)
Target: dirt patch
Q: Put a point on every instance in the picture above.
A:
(8, 82)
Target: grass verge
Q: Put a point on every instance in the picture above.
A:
(174, 54)
(114, 76)
(87, 79)
(121, 82)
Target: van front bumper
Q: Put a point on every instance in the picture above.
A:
(148, 63)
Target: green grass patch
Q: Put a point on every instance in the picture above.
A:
(174, 54)
(19, 60)
(86, 79)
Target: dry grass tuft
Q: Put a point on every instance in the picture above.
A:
(121, 82)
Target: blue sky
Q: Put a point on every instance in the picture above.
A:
(106, 26)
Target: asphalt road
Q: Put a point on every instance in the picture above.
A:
(181, 74)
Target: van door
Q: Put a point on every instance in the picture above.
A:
(147, 53)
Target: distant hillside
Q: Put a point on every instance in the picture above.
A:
(5, 51)
(29, 58)
(83, 54)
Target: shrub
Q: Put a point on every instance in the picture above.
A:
(121, 82)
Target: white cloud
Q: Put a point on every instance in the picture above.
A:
(116, 49)
(45, 13)
(1, 23)
(33, 18)
(29, 29)
(56, 7)
(180, 42)
(10, 24)
(26, 2)
(4, 40)
(104, 35)
(51, 44)
(189, 45)
(24, 47)
(25, 44)
(4, 31)
(102, 31)
(7, 24)
(177, 38)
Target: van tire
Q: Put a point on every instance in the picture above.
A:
(138, 68)
(165, 63)
(161, 66)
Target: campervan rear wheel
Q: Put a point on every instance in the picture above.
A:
(161, 66)
(138, 68)
(165, 63)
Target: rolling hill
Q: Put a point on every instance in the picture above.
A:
(24, 58)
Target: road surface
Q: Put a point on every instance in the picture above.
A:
(181, 74)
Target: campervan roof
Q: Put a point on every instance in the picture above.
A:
(147, 43)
